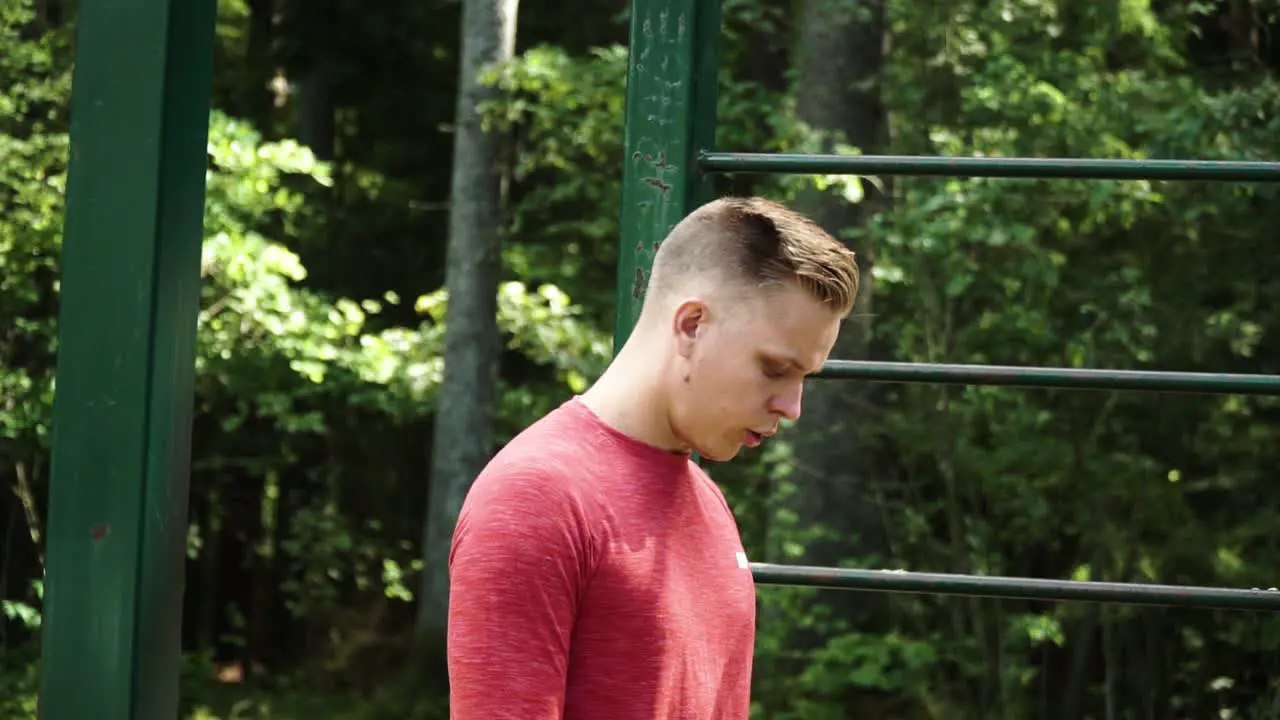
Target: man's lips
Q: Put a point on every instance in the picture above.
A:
(753, 438)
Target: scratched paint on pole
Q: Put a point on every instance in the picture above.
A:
(670, 116)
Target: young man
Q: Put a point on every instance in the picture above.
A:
(597, 573)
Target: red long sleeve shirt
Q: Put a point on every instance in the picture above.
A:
(594, 577)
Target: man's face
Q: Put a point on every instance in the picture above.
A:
(741, 365)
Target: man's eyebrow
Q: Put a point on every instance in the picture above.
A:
(790, 360)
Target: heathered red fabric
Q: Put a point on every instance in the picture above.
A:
(594, 577)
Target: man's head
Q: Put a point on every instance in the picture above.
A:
(745, 300)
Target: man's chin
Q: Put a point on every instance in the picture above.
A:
(719, 454)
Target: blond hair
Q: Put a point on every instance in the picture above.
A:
(759, 242)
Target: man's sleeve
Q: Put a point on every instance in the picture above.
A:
(516, 569)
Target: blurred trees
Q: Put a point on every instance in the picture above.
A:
(323, 324)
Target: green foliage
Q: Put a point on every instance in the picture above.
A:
(564, 218)
(1079, 274)
(291, 379)
(18, 685)
(567, 114)
(314, 401)
(32, 103)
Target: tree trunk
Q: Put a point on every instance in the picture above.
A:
(317, 126)
(464, 426)
(260, 62)
(839, 58)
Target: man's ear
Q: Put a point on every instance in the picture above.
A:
(689, 324)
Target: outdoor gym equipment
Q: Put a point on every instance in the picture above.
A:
(670, 156)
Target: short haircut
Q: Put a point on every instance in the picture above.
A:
(759, 243)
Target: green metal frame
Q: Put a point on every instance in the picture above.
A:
(671, 85)
(117, 528)
(670, 145)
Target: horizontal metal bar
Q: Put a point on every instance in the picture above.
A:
(1016, 588)
(1044, 377)
(1026, 168)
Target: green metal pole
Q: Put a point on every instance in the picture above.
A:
(1015, 587)
(670, 116)
(127, 325)
(1050, 377)
(994, 167)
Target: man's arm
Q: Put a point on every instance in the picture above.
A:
(516, 568)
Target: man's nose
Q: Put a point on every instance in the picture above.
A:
(787, 404)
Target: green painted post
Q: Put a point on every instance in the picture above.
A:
(122, 411)
(670, 117)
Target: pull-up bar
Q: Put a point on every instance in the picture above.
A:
(991, 167)
(1016, 587)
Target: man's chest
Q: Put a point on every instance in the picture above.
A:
(666, 626)
(684, 579)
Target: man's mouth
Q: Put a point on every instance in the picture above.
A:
(754, 439)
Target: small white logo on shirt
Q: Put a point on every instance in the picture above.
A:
(742, 560)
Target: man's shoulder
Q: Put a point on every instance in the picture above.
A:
(545, 447)
(547, 456)
(533, 496)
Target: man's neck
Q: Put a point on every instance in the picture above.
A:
(629, 398)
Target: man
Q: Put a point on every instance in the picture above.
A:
(597, 573)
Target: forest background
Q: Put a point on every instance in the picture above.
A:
(350, 196)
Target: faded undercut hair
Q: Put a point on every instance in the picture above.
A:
(759, 243)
